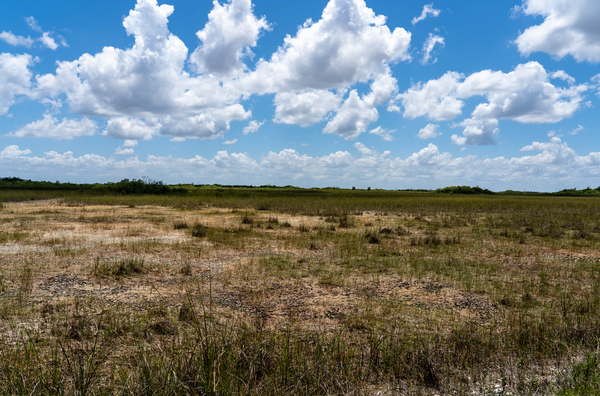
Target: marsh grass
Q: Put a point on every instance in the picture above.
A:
(181, 225)
(118, 268)
(394, 292)
(199, 230)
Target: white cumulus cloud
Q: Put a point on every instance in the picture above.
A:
(350, 43)
(130, 143)
(428, 132)
(15, 78)
(312, 71)
(231, 30)
(569, 28)
(353, 118)
(145, 81)
(525, 95)
(124, 151)
(305, 108)
(556, 166)
(131, 129)
(356, 113)
(437, 99)
(477, 132)
(50, 127)
(312, 74)
(13, 152)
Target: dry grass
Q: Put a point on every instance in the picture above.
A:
(443, 297)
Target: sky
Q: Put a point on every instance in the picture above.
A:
(397, 95)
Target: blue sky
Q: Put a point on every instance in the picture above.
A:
(344, 93)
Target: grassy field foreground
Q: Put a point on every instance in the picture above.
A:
(308, 294)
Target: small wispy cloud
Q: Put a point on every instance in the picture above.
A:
(17, 41)
(576, 130)
(428, 47)
(47, 40)
(383, 133)
(428, 10)
(234, 141)
(253, 126)
(33, 24)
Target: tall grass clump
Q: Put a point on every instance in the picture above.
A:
(199, 230)
(118, 268)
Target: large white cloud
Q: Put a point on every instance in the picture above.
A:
(556, 166)
(50, 127)
(569, 28)
(227, 37)
(436, 98)
(147, 80)
(310, 75)
(350, 44)
(15, 78)
(525, 94)
(554, 152)
(353, 118)
(356, 113)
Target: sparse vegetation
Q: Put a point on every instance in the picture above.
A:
(394, 292)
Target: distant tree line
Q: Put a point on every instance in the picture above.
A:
(144, 185)
(463, 190)
(575, 192)
(140, 186)
(23, 184)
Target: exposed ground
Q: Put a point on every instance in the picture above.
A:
(421, 302)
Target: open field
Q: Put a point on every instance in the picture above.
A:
(240, 292)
